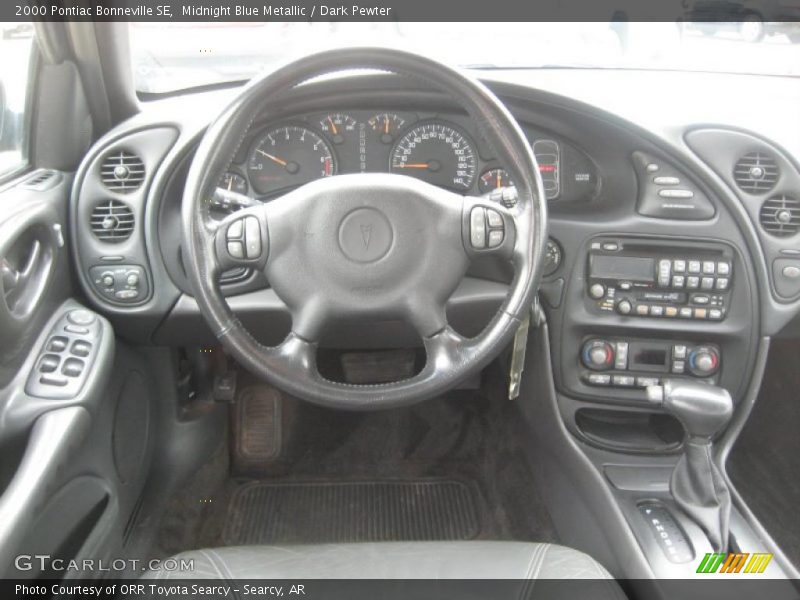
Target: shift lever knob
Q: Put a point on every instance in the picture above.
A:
(704, 410)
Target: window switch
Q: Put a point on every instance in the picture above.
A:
(81, 348)
(73, 367)
(57, 343)
(49, 363)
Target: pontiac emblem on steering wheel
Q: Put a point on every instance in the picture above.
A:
(366, 234)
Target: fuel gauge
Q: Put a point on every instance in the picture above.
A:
(233, 182)
(493, 179)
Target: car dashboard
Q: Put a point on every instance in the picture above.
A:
(673, 245)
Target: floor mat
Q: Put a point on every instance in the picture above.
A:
(765, 462)
(340, 512)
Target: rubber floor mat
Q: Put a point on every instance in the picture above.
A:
(365, 511)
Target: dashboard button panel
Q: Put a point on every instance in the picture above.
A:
(123, 284)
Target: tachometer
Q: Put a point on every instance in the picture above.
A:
(437, 153)
(289, 155)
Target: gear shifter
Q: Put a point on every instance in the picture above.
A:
(697, 484)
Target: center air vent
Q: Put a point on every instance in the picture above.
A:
(112, 221)
(780, 216)
(122, 172)
(756, 173)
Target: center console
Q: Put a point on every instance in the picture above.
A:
(643, 309)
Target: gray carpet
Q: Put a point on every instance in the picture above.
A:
(765, 462)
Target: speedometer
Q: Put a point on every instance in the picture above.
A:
(290, 155)
(438, 153)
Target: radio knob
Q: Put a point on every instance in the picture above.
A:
(598, 355)
(624, 307)
(703, 361)
(597, 290)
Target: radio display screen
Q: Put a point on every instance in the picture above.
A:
(632, 268)
(650, 357)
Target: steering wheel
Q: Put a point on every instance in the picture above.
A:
(371, 246)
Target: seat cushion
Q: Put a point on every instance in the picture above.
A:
(395, 560)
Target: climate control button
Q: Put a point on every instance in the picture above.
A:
(703, 361)
(598, 355)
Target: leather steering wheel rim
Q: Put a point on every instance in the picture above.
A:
(291, 365)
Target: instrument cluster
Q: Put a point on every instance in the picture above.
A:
(444, 150)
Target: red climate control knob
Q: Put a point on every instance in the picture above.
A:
(598, 355)
(703, 361)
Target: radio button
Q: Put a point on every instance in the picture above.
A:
(700, 313)
(715, 314)
(611, 246)
(679, 266)
(664, 267)
(678, 281)
(642, 309)
(597, 290)
(678, 366)
(700, 299)
(493, 218)
(671, 311)
(694, 266)
(623, 380)
(679, 351)
(656, 311)
(692, 283)
(723, 268)
(686, 313)
(647, 381)
(722, 283)
(707, 283)
(624, 307)
(598, 379)
(709, 267)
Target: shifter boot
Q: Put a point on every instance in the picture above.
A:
(700, 490)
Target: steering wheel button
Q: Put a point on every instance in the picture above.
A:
(495, 238)
(493, 218)
(477, 227)
(236, 249)
(252, 237)
(235, 229)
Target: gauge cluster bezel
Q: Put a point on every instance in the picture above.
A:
(361, 150)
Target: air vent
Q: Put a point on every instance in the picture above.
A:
(122, 172)
(780, 216)
(756, 173)
(41, 180)
(112, 221)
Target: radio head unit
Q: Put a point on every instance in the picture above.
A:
(643, 278)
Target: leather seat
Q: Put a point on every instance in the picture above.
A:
(397, 560)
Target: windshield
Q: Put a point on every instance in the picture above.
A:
(175, 56)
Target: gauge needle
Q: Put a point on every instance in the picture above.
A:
(497, 178)
(414, 165)
(230, 184)
(386, 124)
(281, 162)
(333, 127)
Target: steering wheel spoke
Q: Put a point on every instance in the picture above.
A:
(242, 239)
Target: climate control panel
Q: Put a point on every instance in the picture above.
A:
(639, 364)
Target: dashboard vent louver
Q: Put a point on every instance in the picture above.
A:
(38, 180)
(780, 216)
(112, 221)
(756, 173)
(122, 172)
